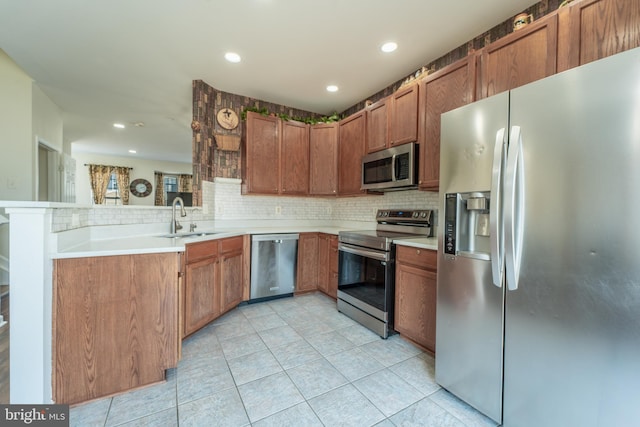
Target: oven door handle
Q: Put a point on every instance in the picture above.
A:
(380, 256)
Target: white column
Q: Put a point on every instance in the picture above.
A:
(31, 305)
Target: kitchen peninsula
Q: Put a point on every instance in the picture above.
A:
(44, 233)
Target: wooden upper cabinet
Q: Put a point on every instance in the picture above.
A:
(323, 161)
(262, 171)
(522, 57)
(403, 124)
(595, 29)
(378, 125)
(294, 155)
(446, 89)
(351, 143)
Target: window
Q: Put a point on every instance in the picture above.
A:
(113, 193)
(170, 184)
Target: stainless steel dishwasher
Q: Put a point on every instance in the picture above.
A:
(274, 260)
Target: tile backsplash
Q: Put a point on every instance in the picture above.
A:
(222, 200)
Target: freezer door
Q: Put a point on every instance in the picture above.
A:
(469, 327)
(572, 335)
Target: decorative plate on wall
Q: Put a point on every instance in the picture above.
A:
(140, 187)
(227, 118)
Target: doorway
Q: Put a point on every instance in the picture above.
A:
(47, 173)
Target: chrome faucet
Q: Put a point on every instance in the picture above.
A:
(175, 225)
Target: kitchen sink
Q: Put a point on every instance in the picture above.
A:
(193, 234)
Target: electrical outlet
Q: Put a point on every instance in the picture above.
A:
(278, 210)
(328, 210)
(75, 220)
(219, 209)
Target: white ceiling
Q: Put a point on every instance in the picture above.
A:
(106, 61)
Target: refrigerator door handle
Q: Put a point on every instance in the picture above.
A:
(495, 210)
(514, 209)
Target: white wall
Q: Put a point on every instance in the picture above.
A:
(141, 169)
(47, 120)
(16, 143)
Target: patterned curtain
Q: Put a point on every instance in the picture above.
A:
(185, 183)
(122, 176)
(99, 176)
(159, 195)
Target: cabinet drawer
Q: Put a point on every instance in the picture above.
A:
(231, 244)
(200, 250)
(417, 256)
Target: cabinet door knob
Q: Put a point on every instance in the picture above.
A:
(418, 251)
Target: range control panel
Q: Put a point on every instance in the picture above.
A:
(388, 215)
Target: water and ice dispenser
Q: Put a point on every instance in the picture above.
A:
(466, 227)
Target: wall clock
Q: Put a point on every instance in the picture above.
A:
(140, 187)
(227, 118)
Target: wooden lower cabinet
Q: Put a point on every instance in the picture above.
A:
(318, 263)
(231, 273)
(213, 281)
(201, 293)
(115, 324)
(332, 287)
(415, 295)
(307, 274)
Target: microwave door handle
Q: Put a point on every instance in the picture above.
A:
(394, 178)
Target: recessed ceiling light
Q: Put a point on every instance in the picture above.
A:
(232, 57)
(332, 88)
(133, 151)
(118, 125)
(389, 47)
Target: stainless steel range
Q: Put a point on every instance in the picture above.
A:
(366, 266)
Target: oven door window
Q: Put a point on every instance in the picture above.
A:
(366, 279)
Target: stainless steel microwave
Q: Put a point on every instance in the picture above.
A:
(395, 168)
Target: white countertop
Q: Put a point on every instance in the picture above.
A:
(418, 242)
(154, 243)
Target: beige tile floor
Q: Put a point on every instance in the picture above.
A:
(289, 362)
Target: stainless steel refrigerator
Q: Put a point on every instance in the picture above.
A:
(538, 314)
